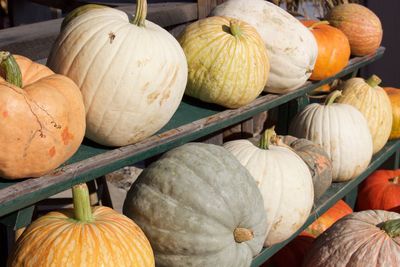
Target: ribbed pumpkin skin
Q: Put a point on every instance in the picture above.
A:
(374, 104)
(380, 191)
(224, 69)
(132, 78)
(56, 239)
(292, 49)
(356, 241)
(361, 26)
(317, 161)
(333, 50)
(342, 131)
(394, 96)
(189, 203)
(285, 183)
(42, 124)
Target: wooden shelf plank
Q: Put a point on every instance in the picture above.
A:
(336, 192)
(192, 121)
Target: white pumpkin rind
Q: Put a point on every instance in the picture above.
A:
(132, 78)
(292, 49)
(374, 104)
(285, 183)
(342, 131)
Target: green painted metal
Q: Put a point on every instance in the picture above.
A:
(336, 192)
(19, 218)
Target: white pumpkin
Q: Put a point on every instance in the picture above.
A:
(341, 130)
(132, 74)
(285, 183)
(292, 49)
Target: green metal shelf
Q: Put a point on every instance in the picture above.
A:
(336, 192)
(192, 121)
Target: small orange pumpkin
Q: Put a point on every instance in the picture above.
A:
(394, 96)
(42, 118)
(82, 237)
(333, 49)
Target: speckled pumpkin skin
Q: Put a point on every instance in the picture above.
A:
(356, 241)
(56, 239)
(42, 124)
(188, 204)
(317, 161)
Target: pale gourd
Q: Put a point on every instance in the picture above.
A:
(284, 180)
(132, 74)
(227, 61)
(341, 130)
(198, 206)
(292, 49)
(373, 102)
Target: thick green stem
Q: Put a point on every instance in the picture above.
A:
(10, 68)
(235, 28)
(316, 24)
(392, 228)
(373, 81)
(141, 13)
(332, 97)
(82, 208)
(268, 137)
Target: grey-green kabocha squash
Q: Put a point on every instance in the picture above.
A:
(199, 207)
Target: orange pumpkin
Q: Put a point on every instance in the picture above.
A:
(394, 95)
(380, 191)
(83, 237)
(361, 26)
(333, 49)
(42, 118)
(294, 252)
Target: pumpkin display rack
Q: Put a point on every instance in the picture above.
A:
(193, 121)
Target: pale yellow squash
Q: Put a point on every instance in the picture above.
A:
(227, 61)
(374, 104)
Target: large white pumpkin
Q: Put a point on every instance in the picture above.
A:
(341, 130)
(285, 183)
(292, 49)
(132, 74)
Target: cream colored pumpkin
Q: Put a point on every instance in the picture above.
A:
(285, 183)
(132, 74)
(374, 104)
(341, 130)
(292, 49)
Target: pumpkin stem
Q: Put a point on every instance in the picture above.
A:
(235, 28)
(332, 97)
(373, 81)
(391, 227)
(243, 235)
(82, 208)
(10, 68)
(316, 24)
(141, 13)
(269, 137)
(395, 180)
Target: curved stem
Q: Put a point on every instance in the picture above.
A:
(82, 208)
(268, 138)
(11, 68)
(243, 235)
(316, 24)
(392, 228)
(141, 13)
(235, 28)
(373, 81)
(332, 97)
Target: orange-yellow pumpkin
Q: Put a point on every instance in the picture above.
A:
(333, 49)
(83, 237)
(361, 26)
(394, 96)
(42, 118)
